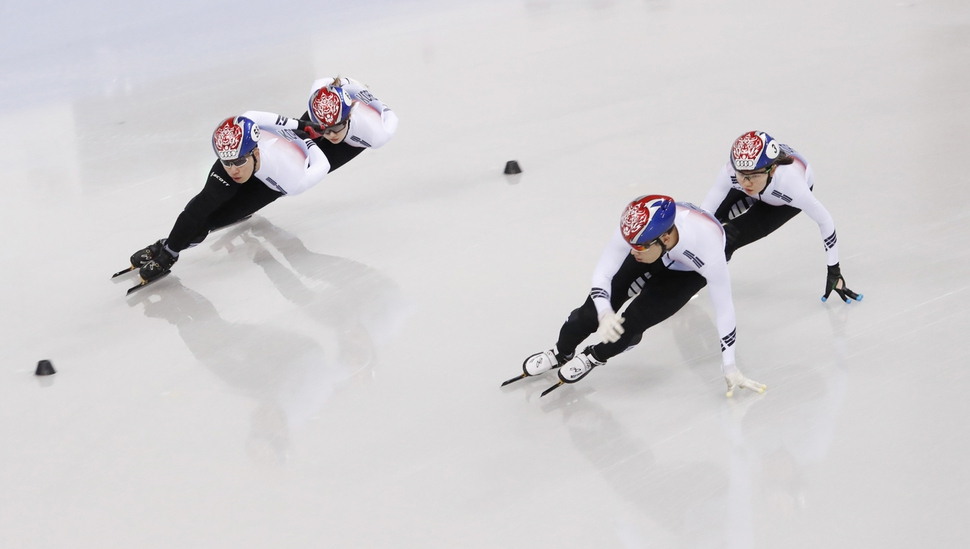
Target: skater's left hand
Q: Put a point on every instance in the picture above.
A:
(835, 282)
(315, 131)
(737, 380)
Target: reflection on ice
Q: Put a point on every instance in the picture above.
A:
(340, 293)
(424, 266)
(290, 375)
(668, 493)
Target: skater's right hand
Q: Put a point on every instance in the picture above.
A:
(611, 327)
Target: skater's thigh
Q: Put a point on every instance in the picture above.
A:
(250, 198)
(337, 154)
(761, 220)
(661, 297)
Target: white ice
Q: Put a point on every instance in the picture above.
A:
(327, 374)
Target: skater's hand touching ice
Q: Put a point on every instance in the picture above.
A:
(835, 282)
(736, 379)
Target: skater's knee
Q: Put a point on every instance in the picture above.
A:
(585, 315)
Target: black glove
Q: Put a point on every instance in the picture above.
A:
(312, 129)
(834, 281)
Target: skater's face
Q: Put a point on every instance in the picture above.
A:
(648, 253)
(336, 133)
(651, 251)
(754, 182)
(240, 173)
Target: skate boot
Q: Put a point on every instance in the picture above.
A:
(541, 363)
(158, 266)
(579, 368)
(143, 256)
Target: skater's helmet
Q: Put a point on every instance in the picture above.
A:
(756, 151)
(235, 137)
(646, 218)
(329, 105)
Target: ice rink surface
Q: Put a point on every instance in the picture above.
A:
(327, 374)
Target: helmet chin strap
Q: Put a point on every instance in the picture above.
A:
(771, 170)
(663, 247)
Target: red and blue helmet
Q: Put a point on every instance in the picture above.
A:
(329, 105)
(235, 137)
(755, 151)
(646, 218)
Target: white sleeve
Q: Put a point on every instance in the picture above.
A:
(370, 128)
(613, 257)
(804, 199)
(315, 168)
(719, 286)
(706, 255)
(266, 119)
(826, 226)
(359, 92)
(719, 191)
(351, 86)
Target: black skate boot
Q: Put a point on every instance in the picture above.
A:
(159, 266)
(143, 256)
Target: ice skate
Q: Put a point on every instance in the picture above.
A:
(579, 368)
(576, 369)
(155, 269)
(540, 363)
(143, 256)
